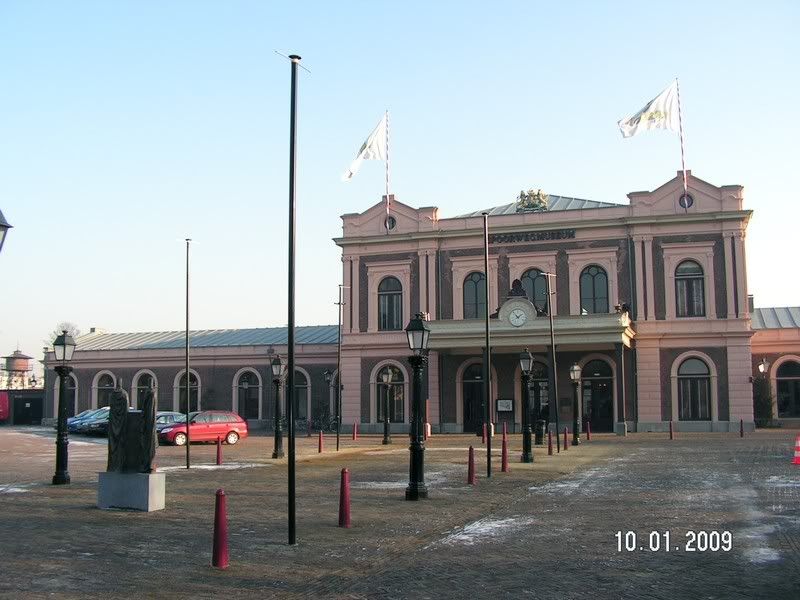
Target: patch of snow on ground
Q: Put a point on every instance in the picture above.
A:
(222, 467)
(482, 529)
(15, 488)
(776, 481)
(432, 479)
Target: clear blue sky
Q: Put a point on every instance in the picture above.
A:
(127, 126)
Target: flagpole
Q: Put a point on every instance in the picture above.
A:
(387, 170)
(680, 128)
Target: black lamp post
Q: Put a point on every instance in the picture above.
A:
(525, 363)
(63, 347)
(418, 333)
(4, 227)
(575, 375)
(278, 371)
(328, 379)
(387, 379)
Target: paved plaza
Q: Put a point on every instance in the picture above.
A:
(541, 531)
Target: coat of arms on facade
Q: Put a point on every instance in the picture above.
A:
(532, 201)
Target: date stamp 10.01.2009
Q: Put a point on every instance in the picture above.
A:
(664, 541)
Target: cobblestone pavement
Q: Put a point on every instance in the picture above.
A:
(541, 531)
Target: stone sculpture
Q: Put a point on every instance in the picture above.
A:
(131, 434)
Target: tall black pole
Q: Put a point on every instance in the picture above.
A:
(62, 441)
(416, 485)
(527, 452)
(188, 376)
(277, 451)
(487, 360)
(338, 397)
(554, 401)
(290, 342)
(576, 415)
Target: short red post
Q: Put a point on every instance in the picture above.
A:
(483, 435)
(549, 443)
(504, 456)
(588, 431)
(671, 431)
(219, 450)
(471, 479)
(319, 443)
(566, 439)
(741, 428)
(355, 430)
(219, 558)
(344, 500)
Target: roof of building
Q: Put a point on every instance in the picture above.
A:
(787, 317)
(209, 338)
(554, 203)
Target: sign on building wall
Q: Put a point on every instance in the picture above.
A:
(532, 236)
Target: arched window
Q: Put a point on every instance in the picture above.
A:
(105, 386)
(690, 290)
(390, 304)
(300, 396)
(535, 286)
(248, 393)
(788, 380)
(193, 387)
(474, 295)
(143, 382)
(694, 391)
(389, 382)
(594, 290)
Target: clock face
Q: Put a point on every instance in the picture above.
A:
(517, 317)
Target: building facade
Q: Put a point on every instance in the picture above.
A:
(649, 298)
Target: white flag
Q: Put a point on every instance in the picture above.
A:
(660, 113)
(374, 148)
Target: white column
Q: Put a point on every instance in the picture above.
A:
(346, 324)
(641, 310)
(726, 242)
(741, 275)
(351, 392)
(648, 265)
(354, 294)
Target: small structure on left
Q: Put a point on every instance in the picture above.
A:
(130, 480)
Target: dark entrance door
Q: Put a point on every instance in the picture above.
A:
(472, 390)
(28, 410)
(598, 396)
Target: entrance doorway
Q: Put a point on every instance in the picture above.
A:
(28, 410)
(598, 396)
(472, 389)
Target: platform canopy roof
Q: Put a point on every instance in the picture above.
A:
(776, 318)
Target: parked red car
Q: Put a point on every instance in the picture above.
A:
(206, 426)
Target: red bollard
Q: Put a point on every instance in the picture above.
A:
(483, 435)
(741, 428)
(344, 500)
(219, 450)
(566, 439)
(219, 557)
(549, 443)
(471, 479)
(355, 430)
(671, 431)
(319, 444)
(588, 431)
(504, 460)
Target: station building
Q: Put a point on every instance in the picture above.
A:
(649, 298)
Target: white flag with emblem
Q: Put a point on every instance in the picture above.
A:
(660, 113)
(374, 148)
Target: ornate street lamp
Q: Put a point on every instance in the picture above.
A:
(4, 227)
(525, 364)
(418, 334)
(575, 375)
(386, 376)
(278, 372)
(63, 348)
(763, 366)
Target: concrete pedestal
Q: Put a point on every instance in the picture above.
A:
(139, 491)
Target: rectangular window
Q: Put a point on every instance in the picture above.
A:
(690, 297)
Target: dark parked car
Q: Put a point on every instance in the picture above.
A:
(77, 424)
(96, 425)
(206, 426)
(167, 418)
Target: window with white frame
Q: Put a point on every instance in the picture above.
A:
(390, 304)
(474, 295)
(594, 290)
(694, 391)
(689, 290)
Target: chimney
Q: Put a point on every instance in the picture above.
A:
(751, 305)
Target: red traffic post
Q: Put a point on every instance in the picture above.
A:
(741, 428)
(344, 500)
(504, 456)
(319, 443)
(471, 479)
(671, 431)
(219, 450)
(219, 557)
(549, 443)
(588, 431)
(483, 434)
(566, 439)
(355, 430)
